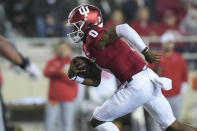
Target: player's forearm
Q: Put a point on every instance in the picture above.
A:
(9, 52)
(86, 81)
(125, 31)
(91, 82)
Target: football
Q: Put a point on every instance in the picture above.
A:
(85, 61)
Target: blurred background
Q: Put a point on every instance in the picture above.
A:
(53, 103)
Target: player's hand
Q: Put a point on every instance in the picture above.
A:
(30, 68)
(33, 71)
(152, 56)
(76, 66)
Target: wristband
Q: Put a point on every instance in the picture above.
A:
(145, 50)
(25, 63)
(78, 79)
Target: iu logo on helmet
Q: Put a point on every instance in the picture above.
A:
(84, 10)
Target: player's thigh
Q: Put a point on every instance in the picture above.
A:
(159, 108)
(124, 101)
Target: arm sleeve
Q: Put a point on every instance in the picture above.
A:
(125, 31)
(51, 71)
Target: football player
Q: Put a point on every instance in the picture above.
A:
(8, 51)
(140, 85)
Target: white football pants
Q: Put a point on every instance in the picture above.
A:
(139, 92)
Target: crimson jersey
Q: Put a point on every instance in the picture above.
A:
(118, 57)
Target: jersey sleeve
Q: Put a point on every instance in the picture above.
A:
(94, 35)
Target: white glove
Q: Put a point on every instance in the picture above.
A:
(162, 82)
(33, 71)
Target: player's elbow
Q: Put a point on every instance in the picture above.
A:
(124, 26)
(122, 29)
(4, 44)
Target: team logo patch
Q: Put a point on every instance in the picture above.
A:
(84, 10)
